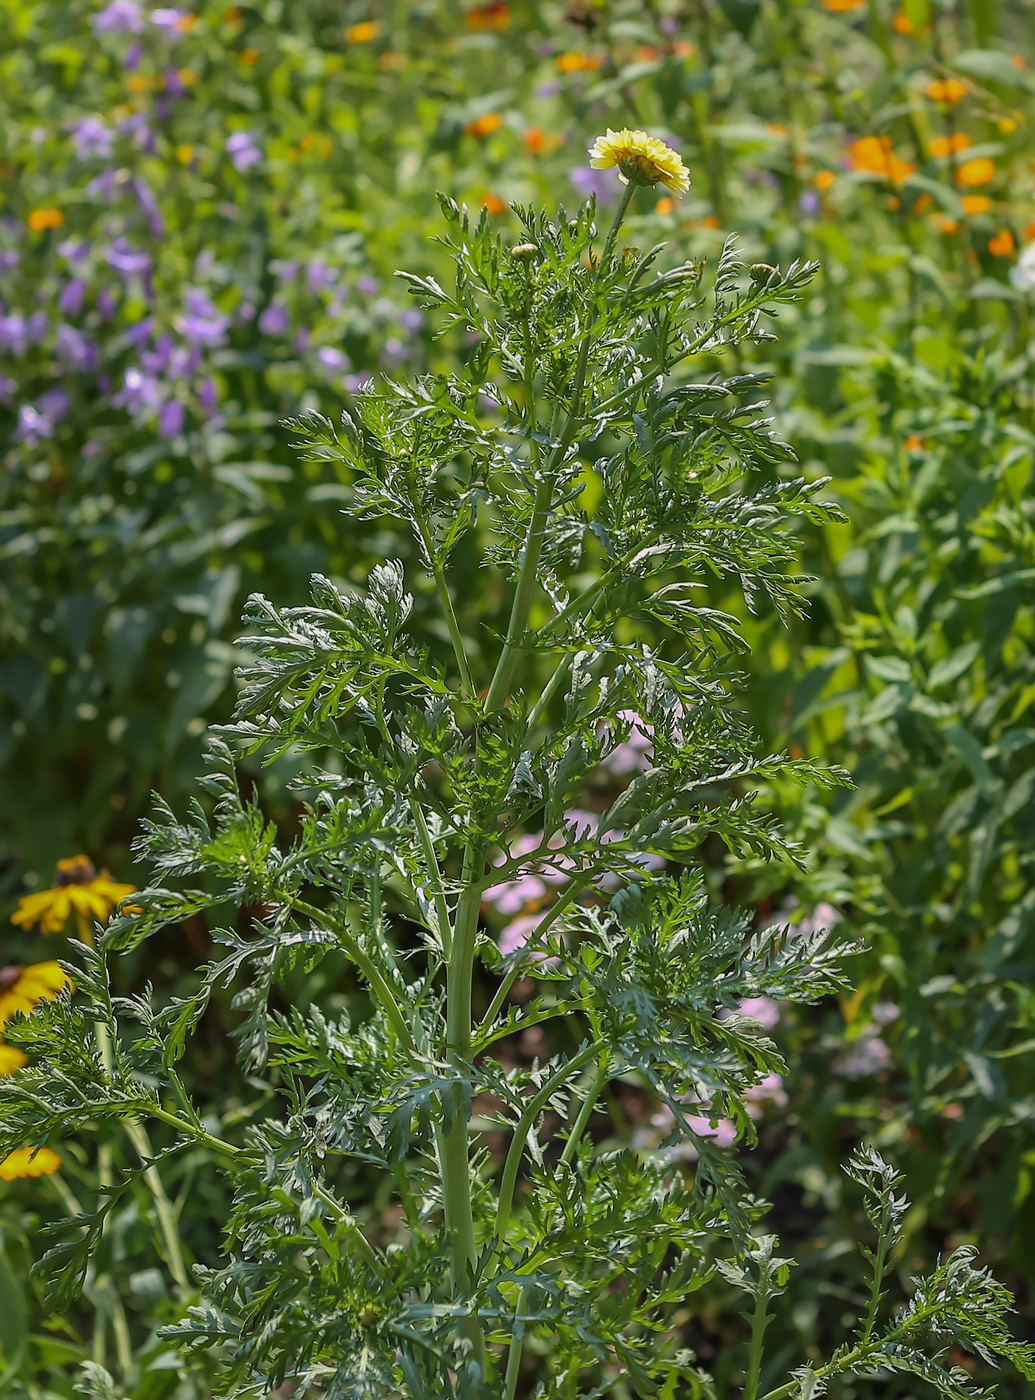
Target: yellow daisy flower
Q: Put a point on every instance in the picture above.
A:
(22, 987)
(78, 890)
(641, 160)
(11, 1059)
(24, 1162)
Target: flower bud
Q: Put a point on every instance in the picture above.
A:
(524, 252)
(761, 273)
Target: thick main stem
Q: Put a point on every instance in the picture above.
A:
(454, 1160)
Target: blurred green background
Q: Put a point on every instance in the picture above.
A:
(200, 213)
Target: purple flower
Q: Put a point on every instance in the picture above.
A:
(92, 138)
(71, 297)
(588, 182)
(356, 383)
(168, 20)
(369, 286)
(140, 393)
(37, 421)
(393, 352)
(207, 395)
(9, 259)
(134, 54)
(119, 17)
(148, 203)
(283, 270)
(127, 259)
(302, 341)
(761, 1009)
(332, 359)
(319, 277)
(74, 350)
(242, 150)
(106, 303)
(138, 128)
(74, 250)
(809, 202)
(203, 323)
(171, 418)
(7, 388)
(274, 320)
(136, 335)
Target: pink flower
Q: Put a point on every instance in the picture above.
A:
(761, 1009)
(518, 932)
(723, 1131)
(769, 1090)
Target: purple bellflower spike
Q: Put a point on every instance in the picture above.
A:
(171, 418)
(243, 151)
(71, 297)
(588, 182)
(92, 138)
(74, 350)
(275, 320)
(203, 323)
(119, 17)
(149, 205)
(140, 393)
(127, 259)
(168, 20)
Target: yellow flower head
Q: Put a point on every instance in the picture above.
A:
(22, 987)
(11, 1059)
(25, 1162)
(78, 890)
(641, 160)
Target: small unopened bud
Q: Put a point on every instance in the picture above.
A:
(524, 252)
(763, 272)
(367, 1314)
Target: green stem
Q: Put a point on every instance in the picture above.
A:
(524, 1126)
(879, 1264)
(503, 990)
(466, 682)
(759, 1322)
(586, 1110)
(167, 1224)
(510, 1380)
(378, 982)
(454, 1159)
(434, 874)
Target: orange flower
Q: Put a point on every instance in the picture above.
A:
(872, 155)
(941, 146)
(483, 18)
(26, 1162)
(902, 24)
(841, 7)
(976, 203)
(1002, 244)
(185, 154)
(976, 172)
(710, 221)
(922, 204)
(579, 62)
(187, 76)
(824, 179)
(492, 204)
(683, 48)
(539, 142)
(362, 33)
(250, 57)
(41, 219)
(647, 53)
(186, 23)
(1029, 233)
(946, 225)
(139, 82)
(664, 205)
(950, 90)
(777, 129)
(1018, 60)
(913, 443)
(484, 126)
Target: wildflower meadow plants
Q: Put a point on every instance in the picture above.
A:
(576, 456)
